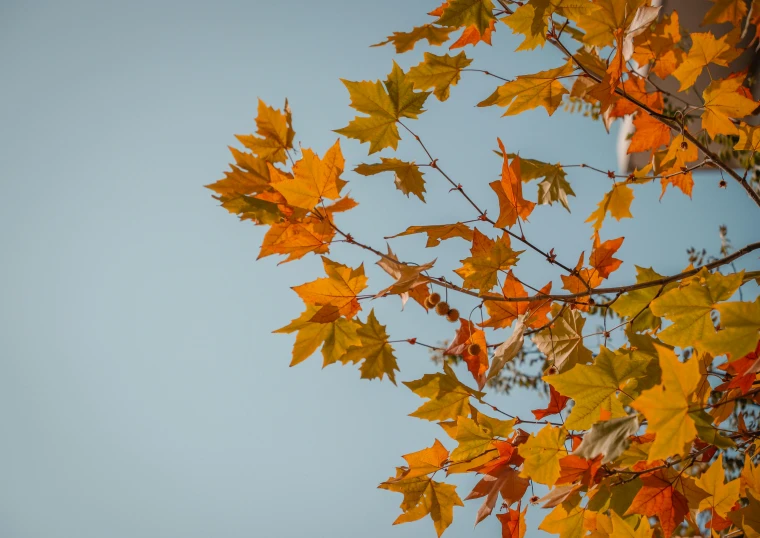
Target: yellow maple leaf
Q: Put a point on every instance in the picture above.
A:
(335, 294)
(407, 175)
(439, 73)
(438, 232)
(423, 462)
(489, 256)
(749, 137)
(473, 440)
(374, 351)
(448, 397)
(542, 452)
(334, 337)
(689, 307)
(313, 178)
(275, 134)
(740, 323)
(617, 203)
(405, 41)
(531, 91)
(732, 11)
(594, 388)
(461, 13)
(722, 496)
(706, 49)
(667, 406)
(566, 519)
(384, 103)
(722, 102)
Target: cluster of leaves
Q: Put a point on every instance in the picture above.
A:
(641, 435)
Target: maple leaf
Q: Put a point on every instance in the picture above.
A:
(405, 41)
(576, 469)
(562, 343)
(249, 175)
(750, 477)
(512, 523)
(608, 439)
(689, 307)
(313, 178)
(423, 462)
(657, 46)
(459, 13)
(374, 350)
(407, 176)
(512, 205)
(335, 337)
(740, 323)
(650, 133)
(439, 73)
(555, 188)
(594, 388)
(705, 49)
(489, 256)
(636, 88)
(503, 313)
(448, 397)
(466, 335)
(532, 19)
(667, 406)
(748, 518)
(297, 236)
(557, 403)
(275, 134)
(732, 11)
(531, 91)
(542, 452)
(424, 496)
(659, 497)
(722, 497)
(385, 103)
(601, 257)
(723, 101)
(566, 519)
(508, 350)
(438, 232)
(635, 304)
(621, 529)
(473, 440)
(602, 24)
(336, 293)
(505, 481)
(617, 202)
(679, 155)
(407, 276)
(749, 138)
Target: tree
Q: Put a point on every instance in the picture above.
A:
(658, 436)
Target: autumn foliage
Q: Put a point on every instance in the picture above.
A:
(633, 441)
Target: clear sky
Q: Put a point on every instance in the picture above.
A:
(141, 390)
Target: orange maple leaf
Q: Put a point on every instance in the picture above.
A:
(512, 205)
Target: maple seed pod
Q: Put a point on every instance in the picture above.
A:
(453, 315)
(534, 499)
(552, 370)
(684, 145)
(428, 303)
(434, 298)
(442, 308)
(722, 184)
(591, 301)
(473, 349)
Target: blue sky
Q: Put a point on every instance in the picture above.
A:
(142, 392)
